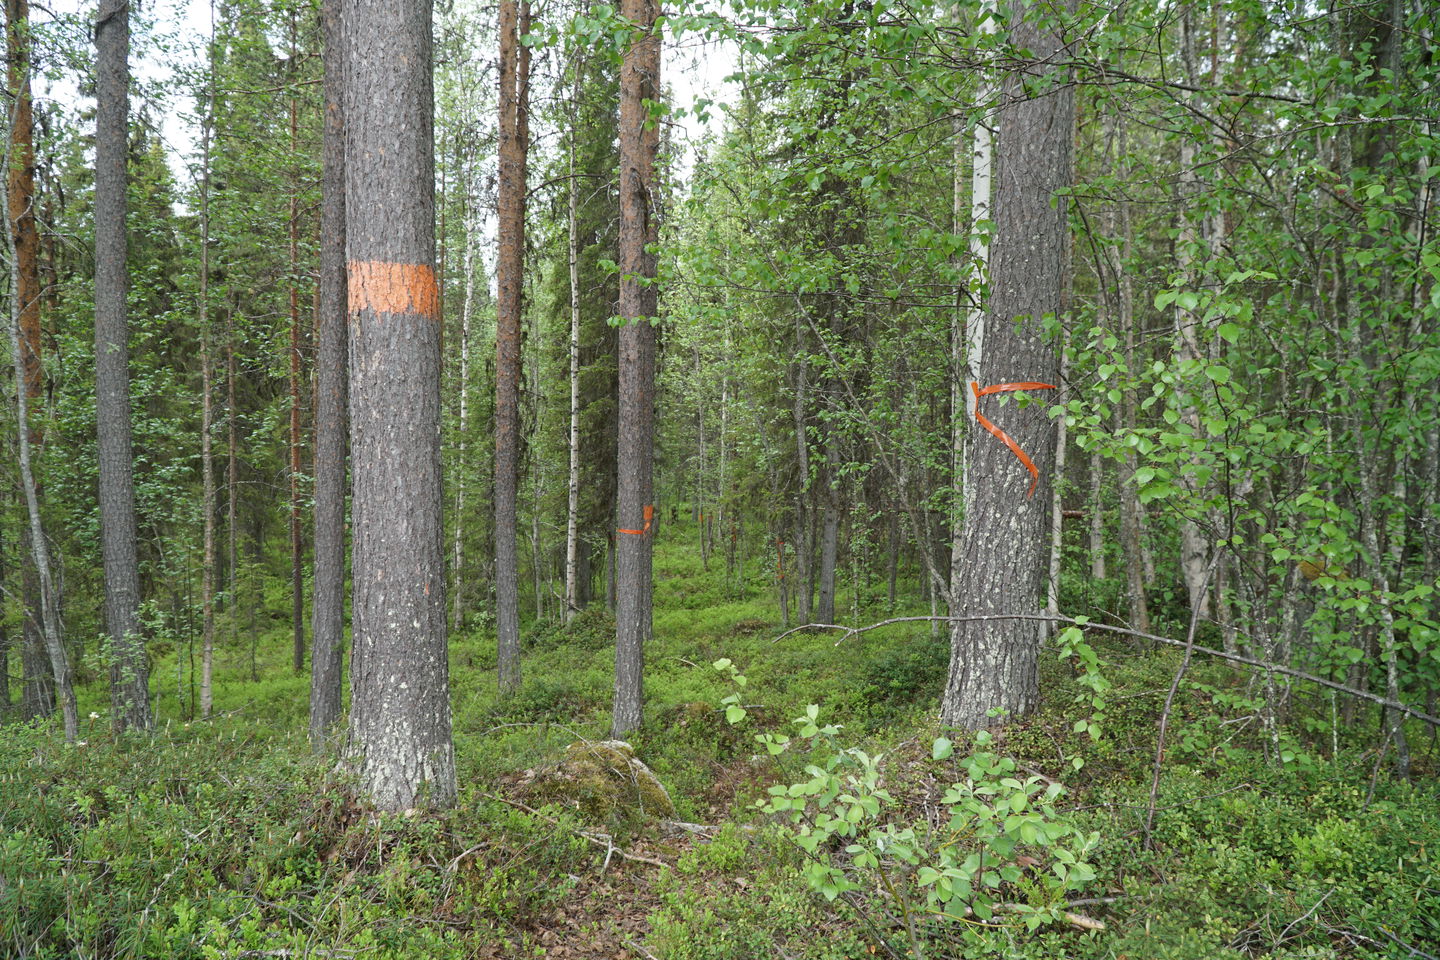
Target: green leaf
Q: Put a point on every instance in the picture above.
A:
(942, 749)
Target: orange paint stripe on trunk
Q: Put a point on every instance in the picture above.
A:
(395, 288)
(1004, 387)
(1001, 435)
(649, 515)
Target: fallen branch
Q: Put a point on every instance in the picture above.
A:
(1089, 624)
(599, 839)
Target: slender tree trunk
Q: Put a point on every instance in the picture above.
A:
(400, 712)
(232, 486)
(297, 547)
(702, 516)
(129, 672)
(37, 685)
(21, 187)
(994, 666)
(462, 461)
(5, 700)
(207, 460)
(967, 338)
(1194, 545)
(1057, 519)
(38, 690)
(39, 547)
(639, 144)
(537, 550)
(572, 501)
(1097, 517)
(829, 530)
(610, 573)
(1131, 510)
(802, 491)
(509, 283)
(327, 614)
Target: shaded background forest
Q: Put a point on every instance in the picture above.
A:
(1250, 356)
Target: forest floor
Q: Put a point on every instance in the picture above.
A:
(227, 838)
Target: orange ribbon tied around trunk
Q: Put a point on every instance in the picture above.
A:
(1001, 435)
(649, 515)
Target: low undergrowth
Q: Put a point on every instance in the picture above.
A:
(228, 838)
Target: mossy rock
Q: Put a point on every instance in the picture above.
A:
(606, 782)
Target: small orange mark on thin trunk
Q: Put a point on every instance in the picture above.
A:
(396, 288)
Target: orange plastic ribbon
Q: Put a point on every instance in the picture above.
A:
(649, 515)
(1001, 435)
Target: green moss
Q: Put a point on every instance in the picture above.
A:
(606, 782)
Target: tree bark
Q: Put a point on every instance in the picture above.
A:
(232, 486)
(400, 714)
(327, 615)
(5, 701)
(1057, 520)
(639, 143)
(1194, 545)
(1126, 413)
(462, 461)
(39, 548)
(967, 338)
(38, 690)
(129, 672)
(297, 546)
(572, 499)
(207, 460)
(509, 278)
(21, 186)
(829, 530)
(994, 668)
(1097, 517)
(802, 491)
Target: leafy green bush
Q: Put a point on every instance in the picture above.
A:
(1004, 848)
(905, 672)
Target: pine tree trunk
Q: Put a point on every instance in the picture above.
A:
(327, 615)
(129, 672)
(509, 279)
(639, 144)
(400, 713)
(993, 666)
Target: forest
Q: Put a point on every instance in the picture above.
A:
(741, 479)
